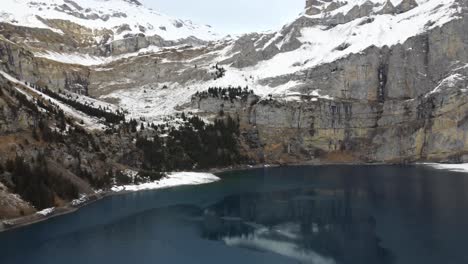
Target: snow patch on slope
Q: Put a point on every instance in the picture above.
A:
(172, 180)
(151, 102)
(449, 82)
(72, 58)
(322, 45)
(89, 122)
(154, 101)
(89, 60)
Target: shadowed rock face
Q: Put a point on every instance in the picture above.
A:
(388, 8)
(22, 64)
(317, 7)
(405, 6)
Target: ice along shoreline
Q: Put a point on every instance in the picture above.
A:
(462, 167)
(172, 180)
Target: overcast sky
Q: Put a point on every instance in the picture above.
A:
(232, 17)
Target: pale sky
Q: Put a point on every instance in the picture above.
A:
(232, 17)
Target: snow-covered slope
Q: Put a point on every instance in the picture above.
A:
(275, 63)
(88, 121)
(122, 17)
(321, 40)
(326, 43)
(322, 43)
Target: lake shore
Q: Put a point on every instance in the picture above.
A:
(171, 181)
(7, 225)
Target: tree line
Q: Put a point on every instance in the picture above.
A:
(38, 184)
(193, 145)
(229, 93)
(110, 117)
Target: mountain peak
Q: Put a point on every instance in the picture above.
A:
(117, 18)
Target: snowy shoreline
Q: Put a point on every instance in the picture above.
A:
(174, 179)
(462, 167)
(171, 180)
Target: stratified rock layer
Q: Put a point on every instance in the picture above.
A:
(406, 103)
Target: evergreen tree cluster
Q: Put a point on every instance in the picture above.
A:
(96, 182)
(38, 184)
(193, 145)
(23, 100)
(219, 72)
(110, 117)
(46, 133)
(229, 93)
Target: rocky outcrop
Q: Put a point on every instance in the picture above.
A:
(405, 6)
(321, 11)
(153, 71)
(138, 42)
(25, 66)
(251, 49)
(315, 7)
(11, 205)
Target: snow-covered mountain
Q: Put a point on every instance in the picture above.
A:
(283, 63)
(366, 51)
(120, 18)
(337, 33)
(126, 35)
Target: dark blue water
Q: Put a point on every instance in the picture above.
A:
(329, 214)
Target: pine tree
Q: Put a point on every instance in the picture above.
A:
(10, 165)
(35, 135)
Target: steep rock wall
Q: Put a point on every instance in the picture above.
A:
(21, 63)
(404, 103)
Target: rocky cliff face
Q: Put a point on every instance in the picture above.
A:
(431, 127)
(355, 80)
(403, 103)
(22, 63)
(69, 160)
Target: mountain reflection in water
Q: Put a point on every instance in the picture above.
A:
(308, 224)
(289, 215)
